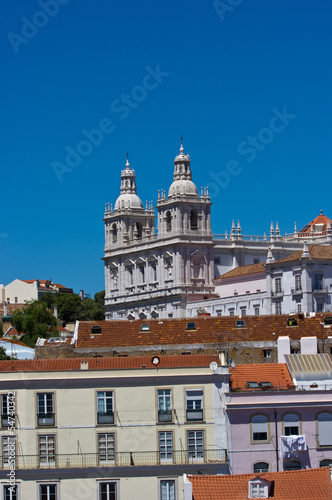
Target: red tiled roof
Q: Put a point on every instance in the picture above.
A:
(11, 332)
(305, 484)
(317, 252)
(243, 270)
(209, 330)
(321, 219)
(275, 373)
(119, 363)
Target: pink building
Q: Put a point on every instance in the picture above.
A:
(273, 427)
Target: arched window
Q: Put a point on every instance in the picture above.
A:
(292, 465)
(291, 424)
(168, 221)
(193, 220)
(324, 424)
(138, 230)
(325, 463)
(261, 467)
(259, 428)
(114, 232)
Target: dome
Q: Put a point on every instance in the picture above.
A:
(128, 197)
(183, 186)
(128, 200)
(182, 183)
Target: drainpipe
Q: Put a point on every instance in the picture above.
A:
(277, 450)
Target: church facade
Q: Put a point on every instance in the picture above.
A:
(157, 269)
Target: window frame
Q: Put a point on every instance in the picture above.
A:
(260, 471)
(6, 464)
(168, 479)
(293, 468)
(116, 482)
(48, 462)
(164, 415)
(199, 409)
(11, 497)
(324, 445)
(107, 452)
(100, 416)
(49, 418)
(6, 417)
(48, 484)
(268, 434)
(198, 454)
(287, 426)
(168, 451)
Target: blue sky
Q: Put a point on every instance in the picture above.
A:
(246, 83)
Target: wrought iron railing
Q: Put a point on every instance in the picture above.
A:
(118, 459)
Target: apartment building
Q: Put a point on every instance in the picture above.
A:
(111, 428)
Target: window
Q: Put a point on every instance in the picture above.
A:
(145, 327)
(299, 308)
(114, 233)
(166, 446)
(256, 311)
(291, 424)
(168, 221)
(325, 463)
(259, 428)
(105, 413)
(10, 492)
(16, 300)
(318, 282)
(47, 491)
(292, 322)
(278, 307)
(191, 326)
(256, 261)
(324, 424)
(153, 272)
(295, 351)
(8, 451)
(142, 274)
(240, 323)
(195, 445)
(193, 220)
(252, 385)
(167, 489)
(292, 465)
(298, 285)
(45, 409)
(218, 312)
(164, 405)
(320, 307)
(231, 311)
(243, 311)
(106, 447)
(261, 467)
(46, 449)
(267, 353)
(257, 489)
(5, 405)
(138, 230)
(194, 404)
(130, 276)
(277, 284)
(107, 491)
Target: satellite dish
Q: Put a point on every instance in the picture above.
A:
(231, 363)
(155, 360)
(213, 366)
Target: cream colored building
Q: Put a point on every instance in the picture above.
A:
(111, 428)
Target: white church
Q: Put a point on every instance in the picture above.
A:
(177, 268)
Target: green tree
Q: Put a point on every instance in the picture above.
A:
(38, 322)
(3, 354)
(18, 320)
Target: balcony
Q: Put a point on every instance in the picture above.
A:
(297, 290)
(105, 417)
(320, 289)
(45, 419)
(194, 415)
(164, 416)
(277, 293)
(118, 459)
